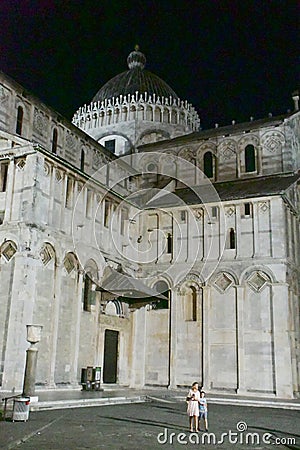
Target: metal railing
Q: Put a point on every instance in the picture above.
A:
(6, 400)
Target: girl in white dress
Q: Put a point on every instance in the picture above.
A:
(193, 399)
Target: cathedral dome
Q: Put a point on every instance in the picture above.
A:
(134, 108)
(136, 79)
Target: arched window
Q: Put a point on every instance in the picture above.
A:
(54, 140)
(70, 263)
(19, 120)
(109, 115)
(117, 115)
(191, 304)
(208, 165)
(250, 163)
(157, 115)
(101, 118)
(124, 113)
(230, 243)
(194, 304)
(87, 293)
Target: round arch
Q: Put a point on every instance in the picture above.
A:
(246, 274)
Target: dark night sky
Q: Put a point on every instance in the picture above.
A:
(230, 59)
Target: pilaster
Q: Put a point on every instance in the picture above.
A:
(76, 336)
(51, 196)
(22, 300)
(241, 385)
(255, 230)
(205, 344)
(139, 348)
(56, 317)
(9, 191)
(173, 338)
(282, 349)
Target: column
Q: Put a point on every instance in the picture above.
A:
(30, 371)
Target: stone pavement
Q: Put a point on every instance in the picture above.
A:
(150, 425)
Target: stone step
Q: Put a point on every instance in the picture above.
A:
(88, 402)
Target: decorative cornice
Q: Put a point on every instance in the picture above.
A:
(129, 107)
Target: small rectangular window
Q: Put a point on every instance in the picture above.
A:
(54, 141)
(247, 209)
(19, 124)
(169, 243)
(3, 176)
(110, 145)
(214, 212)
(183, 216)
(82, 158)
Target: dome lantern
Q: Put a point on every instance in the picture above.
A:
(136, 59)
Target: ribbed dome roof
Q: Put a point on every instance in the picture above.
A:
(136, 79)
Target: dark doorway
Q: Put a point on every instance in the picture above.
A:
(111, 338)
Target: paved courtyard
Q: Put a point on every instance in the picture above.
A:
(137, 426)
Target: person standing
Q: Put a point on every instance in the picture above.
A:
(193, 399)
(203, 410)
